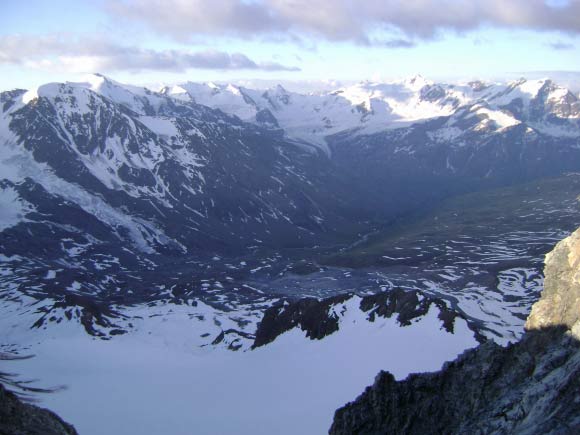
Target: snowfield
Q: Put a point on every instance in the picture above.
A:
(157, 379)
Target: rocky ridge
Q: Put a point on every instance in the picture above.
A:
(18, 418)
(321, 318)
(529, 387)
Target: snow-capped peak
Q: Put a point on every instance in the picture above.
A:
(280, 90)
(30, 95)
(235, 90)
(81, 91)
(96, 81)
(533, 87)
(365, 108)
(176, 91)
(416, 82)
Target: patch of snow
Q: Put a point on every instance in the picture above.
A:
(29, 96)
(159, 125)
(13, 208)
(501, 118)
(51, 274)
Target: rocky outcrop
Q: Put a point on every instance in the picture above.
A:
(18, 418)
(319, 318)
(93, 314)
(309, 314)
(560, 302)
(530, 387)
(408, 305)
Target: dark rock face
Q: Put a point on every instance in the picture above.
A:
(234, 337)
(89, 311)
(408, 305)
(318, 318)
(530, 387)
(310, 314)
(18, 418)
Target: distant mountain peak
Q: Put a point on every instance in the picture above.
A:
(366, 107)
(417, 81)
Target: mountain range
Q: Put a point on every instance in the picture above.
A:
(202, 221)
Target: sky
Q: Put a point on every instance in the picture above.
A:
(316, 42)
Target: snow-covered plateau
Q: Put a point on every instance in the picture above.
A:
(160, 378)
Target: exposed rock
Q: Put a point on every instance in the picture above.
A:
(91, 312)
(408, 305)
(530, 387)
(319, 319)
(232, 338)
(18, 418)
(560, 302)
(310, 314)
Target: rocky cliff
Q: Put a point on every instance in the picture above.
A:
(530, 387)
(560, 301)
(18, 418)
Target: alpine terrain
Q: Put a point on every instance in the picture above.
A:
(529, 387)
(209, 258)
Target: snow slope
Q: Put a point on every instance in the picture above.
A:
(12, 208)
(156, 379)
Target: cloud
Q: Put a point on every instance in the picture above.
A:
(559, 45)
(345, 20)
(184, 17)
(397, 43)
(95, 54)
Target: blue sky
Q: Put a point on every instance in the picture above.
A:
(153, 41)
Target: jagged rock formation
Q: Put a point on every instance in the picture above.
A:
(530, 387)
(560, 302)
(18, 418)
(89, 311)
(319, 318)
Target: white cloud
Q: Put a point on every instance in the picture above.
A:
(64, 52)
(346, 20)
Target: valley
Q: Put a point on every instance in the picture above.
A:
(170, 240)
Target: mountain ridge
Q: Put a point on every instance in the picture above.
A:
(107, 182)
(19, 418)
(370, 107)
(135, 221)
